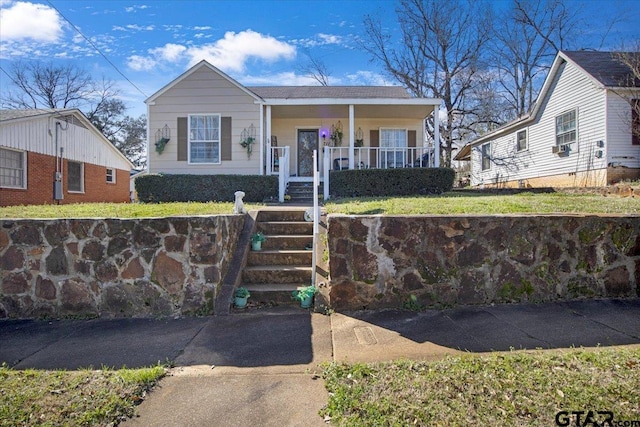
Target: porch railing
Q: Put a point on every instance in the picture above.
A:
(337, 158)
(282, 171)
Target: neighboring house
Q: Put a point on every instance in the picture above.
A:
(578, 133)
(58, 156)
(204, 122)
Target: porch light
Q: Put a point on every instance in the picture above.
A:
(359, 137)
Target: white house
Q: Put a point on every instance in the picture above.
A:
(205, 122)
(578, 133)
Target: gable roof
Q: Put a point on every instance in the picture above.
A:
(192, 70)
(27, 114)
(603, 68)
(343, 92)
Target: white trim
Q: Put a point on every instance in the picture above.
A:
(113, 175)
(189, 162)
(575, 126)
(526, 140)
(427, 102)
(24, 169)
(352, 131)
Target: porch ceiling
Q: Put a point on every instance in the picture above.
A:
(342, 111)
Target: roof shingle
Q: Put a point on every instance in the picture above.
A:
(605, 67)
(304, 92)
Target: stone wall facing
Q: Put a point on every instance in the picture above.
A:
(111, 267)
(417, 261)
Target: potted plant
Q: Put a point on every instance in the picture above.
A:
(240, 297)
(305, 295)
(256, 241)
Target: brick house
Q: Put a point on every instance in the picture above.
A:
(58, 156)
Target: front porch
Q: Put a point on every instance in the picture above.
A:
(348, 134)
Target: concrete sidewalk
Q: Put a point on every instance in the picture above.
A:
(261, 367)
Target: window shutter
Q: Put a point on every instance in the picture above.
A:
(225, 138)
(411, 139)
(635, 121)
(183, 145)
(374, 142)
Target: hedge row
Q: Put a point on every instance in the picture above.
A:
(390, 182)
(205, 188)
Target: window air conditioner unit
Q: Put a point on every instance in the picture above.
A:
(557, 149)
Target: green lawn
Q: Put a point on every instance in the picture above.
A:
(453, 203)
(72, 398)
(119, 210)
(458, 203)
(501, 389)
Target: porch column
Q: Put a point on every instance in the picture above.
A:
(436, 135)
(261, 139)
(269, 151)
(351, 136)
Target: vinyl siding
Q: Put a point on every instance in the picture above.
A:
(79, 143)
(571, 89)
(204, 92)
(618, 145)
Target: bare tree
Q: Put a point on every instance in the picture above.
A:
(315, 68)
(48, 85)
(631, 60)
(439, 55)
(523, 47)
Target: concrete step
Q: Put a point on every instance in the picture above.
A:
(272, 293)
(287, 242)
(281, 215)
(290, 274)
(285, 227)
(280, 257)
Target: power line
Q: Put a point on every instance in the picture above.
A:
(98, 50)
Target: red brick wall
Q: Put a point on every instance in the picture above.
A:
(40, 175)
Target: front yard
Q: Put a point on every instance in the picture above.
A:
(452, 203)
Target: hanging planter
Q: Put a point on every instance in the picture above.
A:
(162, 137)
(247, 139)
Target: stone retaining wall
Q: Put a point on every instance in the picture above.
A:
(110, 267)
(415, 261)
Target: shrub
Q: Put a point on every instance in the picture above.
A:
(390, 182)
(156, 188)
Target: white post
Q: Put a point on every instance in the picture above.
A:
(436, 135)
(351, 137)
(269, 150)
(327, 166)
(316, 216)
(261, 139)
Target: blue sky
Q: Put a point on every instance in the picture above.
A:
(260, 42)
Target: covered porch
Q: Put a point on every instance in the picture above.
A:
(349, 133)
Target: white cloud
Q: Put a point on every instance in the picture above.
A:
(280, 79)
(368, 78)
(170, 52)
(135, 8)
(233, 51)
(24, 20)
(321, 39)
(140, 63)
(330, 38)
(230, 53)
(133, 27)
(202, 28)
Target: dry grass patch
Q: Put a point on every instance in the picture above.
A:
(80, 398)
(515, 389)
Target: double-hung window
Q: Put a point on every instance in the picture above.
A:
(13, 168)
(75, 177)
(111, 175)
(393, 148)
(486, 157)
(204, 138)
(635, 121)
(566, 128)
(521, 140)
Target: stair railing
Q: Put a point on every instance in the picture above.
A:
(316, 215)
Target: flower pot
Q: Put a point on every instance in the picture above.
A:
(256, 246)
(240, 302)
(306, 302)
